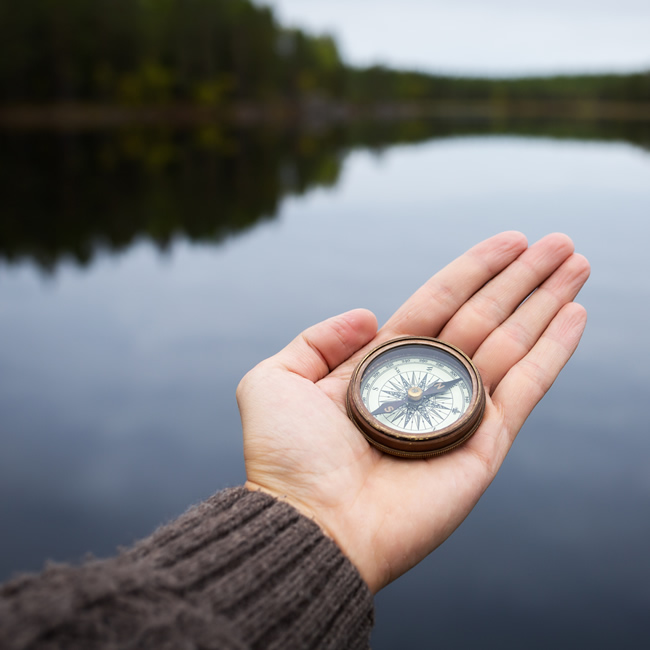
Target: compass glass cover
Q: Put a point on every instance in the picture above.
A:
(416, 389)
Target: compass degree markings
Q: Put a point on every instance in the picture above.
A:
(436, 403)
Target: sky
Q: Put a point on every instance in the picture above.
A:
(483, 37)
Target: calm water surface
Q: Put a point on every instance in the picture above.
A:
(117, 404)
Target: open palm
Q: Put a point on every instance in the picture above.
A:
(507, 306)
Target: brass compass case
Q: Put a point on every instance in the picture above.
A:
(416, 397)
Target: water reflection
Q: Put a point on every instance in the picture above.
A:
(71, 195)
(117, 401)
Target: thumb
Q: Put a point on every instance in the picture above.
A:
(314, 353)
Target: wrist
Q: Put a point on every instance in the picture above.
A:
(333, 527)
(303, 509)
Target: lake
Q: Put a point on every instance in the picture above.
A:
(143, 272)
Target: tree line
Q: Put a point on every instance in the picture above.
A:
(217, 52)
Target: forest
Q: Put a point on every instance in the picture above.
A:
(71, 191)
(215, 53)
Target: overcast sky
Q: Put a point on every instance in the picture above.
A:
(493, 37)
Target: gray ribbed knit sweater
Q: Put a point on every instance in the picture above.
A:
(241, 570)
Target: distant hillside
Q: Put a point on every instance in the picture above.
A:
(213, 53)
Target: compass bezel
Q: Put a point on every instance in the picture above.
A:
(420, 445)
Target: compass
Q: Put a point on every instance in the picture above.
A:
(416, 397)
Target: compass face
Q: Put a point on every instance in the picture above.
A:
(416, 397)
(416, 389)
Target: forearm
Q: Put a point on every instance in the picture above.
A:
(240, 570)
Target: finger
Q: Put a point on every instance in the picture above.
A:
(529, 380)
(496, 301)
(511, 341)
(322, 347)
(427, 311)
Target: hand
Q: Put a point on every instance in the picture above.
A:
(386, 513)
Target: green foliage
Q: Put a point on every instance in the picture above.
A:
(377, 84)
(154, 51)
(214, 52)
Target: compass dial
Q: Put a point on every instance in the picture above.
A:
(415, 392)
(416, 397)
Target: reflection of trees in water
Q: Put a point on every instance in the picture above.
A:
(70, 195)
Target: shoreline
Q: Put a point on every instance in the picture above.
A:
(80, 116)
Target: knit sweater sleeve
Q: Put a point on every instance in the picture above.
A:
(241, 570)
